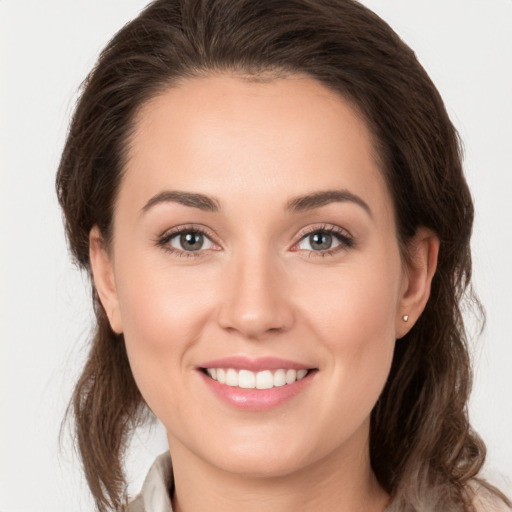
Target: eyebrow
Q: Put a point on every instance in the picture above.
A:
(318, 199)
(193, 200)
(297, 204)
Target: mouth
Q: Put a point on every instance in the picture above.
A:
(263, 379)
(256, 384)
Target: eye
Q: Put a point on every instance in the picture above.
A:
(187, 241)
(190, 241)
(324, 241)
(319, 241)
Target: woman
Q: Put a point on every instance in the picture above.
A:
(269, 199)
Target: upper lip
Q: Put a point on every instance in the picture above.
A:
(254, 364)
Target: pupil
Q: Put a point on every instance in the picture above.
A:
(320, 241)
(191, 241)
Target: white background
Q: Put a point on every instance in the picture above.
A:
(46, 49)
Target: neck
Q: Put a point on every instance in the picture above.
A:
(339, 482)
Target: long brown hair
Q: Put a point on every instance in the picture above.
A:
(421, 440)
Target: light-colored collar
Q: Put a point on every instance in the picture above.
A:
(155, 495)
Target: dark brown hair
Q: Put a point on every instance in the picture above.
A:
(421, 441)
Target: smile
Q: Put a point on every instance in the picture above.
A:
(247, 379)
(259, 384)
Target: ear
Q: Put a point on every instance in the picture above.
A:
(421, 265)
(103, 276)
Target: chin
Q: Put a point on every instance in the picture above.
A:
(270, 459)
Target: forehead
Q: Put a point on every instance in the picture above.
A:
(224, 135)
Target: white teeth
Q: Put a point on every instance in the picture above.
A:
(291, 376)
(232, 377)
(280, 378)
(301, 374)
(246, 379)
(265, 379)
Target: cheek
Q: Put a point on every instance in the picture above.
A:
(163, 313)
(354, 305)
(352, 313)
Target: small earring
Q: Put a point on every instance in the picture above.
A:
(405, 318)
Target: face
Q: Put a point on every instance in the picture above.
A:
(255, 272)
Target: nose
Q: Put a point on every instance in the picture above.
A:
(256, 298)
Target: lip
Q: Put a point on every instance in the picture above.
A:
(256, 399)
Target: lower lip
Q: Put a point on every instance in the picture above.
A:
(257, 399)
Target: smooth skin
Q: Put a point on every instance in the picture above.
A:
(258, 284)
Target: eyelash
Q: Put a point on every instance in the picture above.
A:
(343, 237)
(164, 240)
